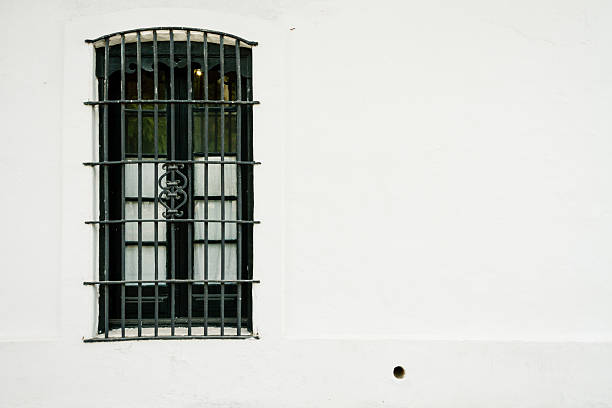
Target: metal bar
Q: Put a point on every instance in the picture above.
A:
(139, 90)
(206, 78)
(123, 186)
(145, 112)
(249, 200)
(199, 30)
(119, 282)
(195, 197)
(155, 202)
(151, 155)
(95, 339)
(178, 320)
(189, 203)
(106, 198)
(173, 221)
(222, 137)
(170, 161)
(205, 101)
(238, 190)
(172, 156)
(197, 241)
(215, 197)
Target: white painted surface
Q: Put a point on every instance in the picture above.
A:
(477, 255)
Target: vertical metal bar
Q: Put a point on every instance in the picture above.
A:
(189, 166)
(155, 202)
(239, 192)
(123, 185)
(106, 203)
(139, 89)
(248, 200)
(205, 63)
(172, 157)
(222, 130)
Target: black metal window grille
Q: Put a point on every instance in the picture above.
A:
(176, 184)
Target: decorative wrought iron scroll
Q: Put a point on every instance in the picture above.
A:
(173, 184)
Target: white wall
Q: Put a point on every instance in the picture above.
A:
(435, 193)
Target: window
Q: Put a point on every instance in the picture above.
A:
(176, 184)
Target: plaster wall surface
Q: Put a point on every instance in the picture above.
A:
(435, 193)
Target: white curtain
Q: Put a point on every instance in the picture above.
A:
(149, 178)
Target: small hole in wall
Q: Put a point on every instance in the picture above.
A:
(399, 372)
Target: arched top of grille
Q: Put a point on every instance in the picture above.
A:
(163, 34)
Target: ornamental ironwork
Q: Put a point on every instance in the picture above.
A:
(173, 184)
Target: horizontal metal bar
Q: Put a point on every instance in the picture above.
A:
(145, 112)
(140, 161)
(196, 154)
(146, 243)
(165, 322)
(195, 241)
(172, 220)
(143, 299)
(198, 30)
(195, 197)
(167, 101)
(214, 198)
(197, 109)
(215, 110)
(192, 337)
(119, 282)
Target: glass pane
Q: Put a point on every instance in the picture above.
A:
(148, 122)
(214, 178)
(214, 213)
(214, 130)
(214, 261)
(214, 84)
(148, 83)
(148, 262)
(149, 179)
(148, 131)
(148, 228)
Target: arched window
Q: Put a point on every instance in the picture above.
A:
(176, 189)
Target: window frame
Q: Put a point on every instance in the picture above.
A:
(185, 103)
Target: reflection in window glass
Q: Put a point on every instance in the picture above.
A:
(214, 129)
(148, 122)
(148, 131)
